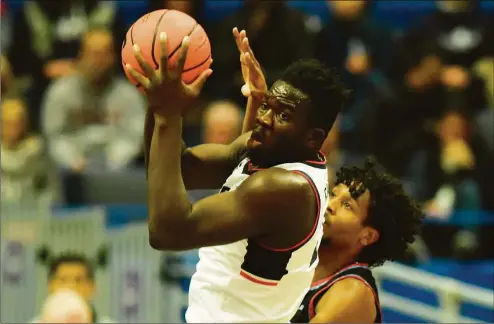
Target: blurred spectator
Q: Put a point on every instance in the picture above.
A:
(461, 31)
(222, 122)
(359, 47)
(65, 306)
(424, 88)
(47, 35)
(7, 81)
(278, 34)
(77, 273)
(433, 64)
(484, 122)
(484, 68)
(193, 8)
(450, 166)
(27, 172)
(93, 116)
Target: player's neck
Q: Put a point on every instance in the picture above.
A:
(331, 261)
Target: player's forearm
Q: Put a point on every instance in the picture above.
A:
(169, 205)
(148, 135)
(253, 105)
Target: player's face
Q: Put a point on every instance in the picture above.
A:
(344, 220)
(282, 125)
(72, 276)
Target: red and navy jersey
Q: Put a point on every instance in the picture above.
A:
(359, 271)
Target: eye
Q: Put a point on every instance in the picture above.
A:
(284, 116)
(264, 106)
(347, 205)
(331, 194)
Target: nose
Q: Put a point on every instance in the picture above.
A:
(331, 206)
(265, 118)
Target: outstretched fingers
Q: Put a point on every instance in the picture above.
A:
(141, 79)
(164, 55)
(149, 72)
(179, 67)
(247, 49)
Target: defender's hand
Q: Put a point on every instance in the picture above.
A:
(255, 82)
(166, 92)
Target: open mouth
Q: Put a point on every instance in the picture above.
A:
(257, 136)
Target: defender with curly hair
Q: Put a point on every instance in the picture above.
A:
(369, 220)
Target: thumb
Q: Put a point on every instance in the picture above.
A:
(201, 80)
(245, 90)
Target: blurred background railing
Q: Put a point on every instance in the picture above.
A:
(422, 74)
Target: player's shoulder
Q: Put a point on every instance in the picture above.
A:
(277, 182)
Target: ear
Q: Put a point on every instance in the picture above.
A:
(369, 236)
(315, 138)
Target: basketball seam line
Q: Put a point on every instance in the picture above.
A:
(154, 39)
(198, 65)
(180, 44)
(132, 35)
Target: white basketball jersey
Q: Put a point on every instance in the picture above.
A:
(246, 281)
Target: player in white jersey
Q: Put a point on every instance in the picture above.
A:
(260, 235)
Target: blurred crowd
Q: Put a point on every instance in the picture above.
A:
(421, 102)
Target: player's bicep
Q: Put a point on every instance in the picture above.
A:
(254, 209)
(224, 218)
(347, 301)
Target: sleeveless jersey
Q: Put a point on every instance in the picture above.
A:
(358, 271)
(246, 281)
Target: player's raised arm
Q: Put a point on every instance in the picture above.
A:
(249, 211)
(348, 301)
(206, 166)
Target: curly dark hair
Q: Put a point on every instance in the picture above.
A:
(395, 215)
(324, 87)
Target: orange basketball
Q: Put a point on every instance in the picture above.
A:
(146, 32)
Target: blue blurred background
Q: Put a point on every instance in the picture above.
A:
(422, 74)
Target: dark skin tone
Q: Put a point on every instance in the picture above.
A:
(256, 208)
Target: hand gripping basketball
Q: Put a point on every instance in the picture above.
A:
(167, 94)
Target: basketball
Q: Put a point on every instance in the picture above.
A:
(146, 32)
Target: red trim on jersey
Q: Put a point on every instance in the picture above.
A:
(355, 264)
(312, 312)
(323, 157)
(256, 280)
(314, 227)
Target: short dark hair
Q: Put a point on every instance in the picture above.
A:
(324, 88)
(65, 258)
(395, 215)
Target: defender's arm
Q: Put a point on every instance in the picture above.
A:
(347, 301)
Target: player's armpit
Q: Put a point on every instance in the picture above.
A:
(347, 301)
(207, 166)
(258, 207)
